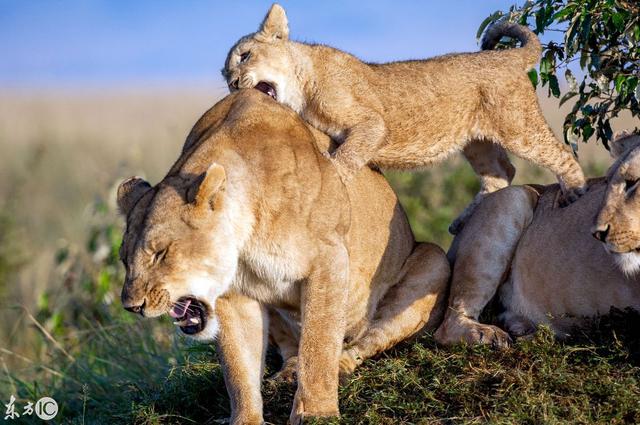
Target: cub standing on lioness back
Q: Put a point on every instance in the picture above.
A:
(253, 219)
(407, 115)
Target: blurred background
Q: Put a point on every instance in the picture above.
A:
(95, 91)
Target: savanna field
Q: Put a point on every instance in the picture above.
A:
(64, 334)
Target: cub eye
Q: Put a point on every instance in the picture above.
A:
(630, 184)
(158, 256)
(245, 56)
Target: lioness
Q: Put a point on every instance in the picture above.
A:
(252, 217)
(406, 115)
(554, 271)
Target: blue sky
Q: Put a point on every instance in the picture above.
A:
(104, 43)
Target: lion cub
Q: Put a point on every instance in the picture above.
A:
(410, 114)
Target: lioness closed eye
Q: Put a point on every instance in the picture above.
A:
(410, 114)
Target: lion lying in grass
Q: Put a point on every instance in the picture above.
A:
(253, 223)
(554, 271)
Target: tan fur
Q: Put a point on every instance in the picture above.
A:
(411, 114)
(554, 271)
(260, 227)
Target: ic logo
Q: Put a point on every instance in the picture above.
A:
(46, 408)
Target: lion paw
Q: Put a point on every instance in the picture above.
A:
(569, 196)
(471, 332)
(349, 361)
(287, 374)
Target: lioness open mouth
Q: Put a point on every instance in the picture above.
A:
(190, 315)
(267, 88)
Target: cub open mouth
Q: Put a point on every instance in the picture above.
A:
(267, 88)
(190, 315)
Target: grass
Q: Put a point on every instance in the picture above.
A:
(129, 377)
(63, 333)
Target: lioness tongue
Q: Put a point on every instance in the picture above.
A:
(179, 309)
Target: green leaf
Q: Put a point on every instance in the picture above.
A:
(618, 21)
(619, 83)
(567, 96)
(533, 76)
(553, 85)
(491, 18)
(587, 132)
(545, 65)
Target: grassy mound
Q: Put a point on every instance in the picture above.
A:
(129, 377)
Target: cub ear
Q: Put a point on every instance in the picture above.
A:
(205, 189)
(129, 192)
(275, 25)
(623, 142)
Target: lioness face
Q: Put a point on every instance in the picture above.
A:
(618, 222)
(264, 61)
(178, 249)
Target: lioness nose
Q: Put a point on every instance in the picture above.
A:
(235, 83)
(601, 233)
(137, 309)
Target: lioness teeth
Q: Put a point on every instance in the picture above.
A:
(191, 321)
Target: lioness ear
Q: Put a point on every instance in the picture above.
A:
(275, 25)
(623, 142)
(212, 183)
(130, 191)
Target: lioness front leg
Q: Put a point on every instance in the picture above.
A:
(241, 349)
(418, 299)
(361, 144)
(324, 296)
(481, 256)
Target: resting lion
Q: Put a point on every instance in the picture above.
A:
(554, 271)
(253, 223)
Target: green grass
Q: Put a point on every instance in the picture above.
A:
(129, 377)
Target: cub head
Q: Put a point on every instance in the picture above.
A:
(264, 60)
(617, 224)
(178, 248)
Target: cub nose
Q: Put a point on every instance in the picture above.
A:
(600, 233)
(137, 309)
(235, 83)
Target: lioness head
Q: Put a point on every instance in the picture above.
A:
(178, 248)
(618, 221)
(264, 60)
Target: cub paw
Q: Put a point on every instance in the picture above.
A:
(456, 226)
(569, 196)
(287, 374)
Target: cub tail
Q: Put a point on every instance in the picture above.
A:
(531, 48)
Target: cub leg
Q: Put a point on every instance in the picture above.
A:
(491, 163)
(525, 133)
(361, 144)
(481, 255)
(323, 304)
(241, 348)
(287, 339)
(418, 299)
